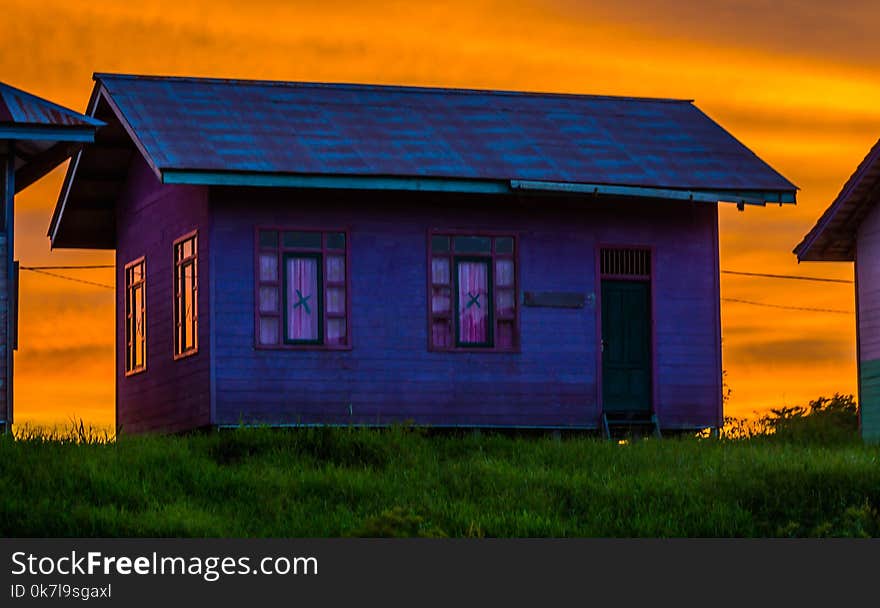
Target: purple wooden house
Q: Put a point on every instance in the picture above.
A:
(849, 231)
(309, 254)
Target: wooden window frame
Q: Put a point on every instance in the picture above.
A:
(452, 317)
(181, 263)
(130, 323)
(321, 253)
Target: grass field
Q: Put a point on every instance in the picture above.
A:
(399, 482)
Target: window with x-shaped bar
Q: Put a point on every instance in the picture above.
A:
(472, 293)
(302, 289)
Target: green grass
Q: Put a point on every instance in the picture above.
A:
(399, 482)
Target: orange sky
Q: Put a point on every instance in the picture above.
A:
(797, 81)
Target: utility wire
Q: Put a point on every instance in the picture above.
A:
(795, 277)
(45, 270)
(804, 308)
(735, 272)
(94, 266)
(66, 278)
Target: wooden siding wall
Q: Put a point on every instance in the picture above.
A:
(868, 281)
(170, 395)
(389, 375)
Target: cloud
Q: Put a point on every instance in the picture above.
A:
(791, 352)
(67, 361)
(844, 30)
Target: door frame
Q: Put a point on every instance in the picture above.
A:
(652, 303)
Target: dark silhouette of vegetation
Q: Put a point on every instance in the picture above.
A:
(824, 421)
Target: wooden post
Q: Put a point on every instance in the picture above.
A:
(10, 255)
(7, 164)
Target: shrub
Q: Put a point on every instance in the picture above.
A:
(824, 421)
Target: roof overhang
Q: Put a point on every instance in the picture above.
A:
(46, 133)
(738, 197)
(39, 134)
(337, 182)
(37, 150)
(833, 238)
(467, 186)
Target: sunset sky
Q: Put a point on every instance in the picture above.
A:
(796, 81)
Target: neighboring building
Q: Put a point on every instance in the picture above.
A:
(300, 254)
(849, 231)
(35, 137)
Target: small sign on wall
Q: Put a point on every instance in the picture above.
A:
(554, 299)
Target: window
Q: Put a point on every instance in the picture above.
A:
(472, 299)
(186, 311)
(302, 289)
(135, 317)
(627, 262)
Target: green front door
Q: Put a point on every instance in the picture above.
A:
(626, 346)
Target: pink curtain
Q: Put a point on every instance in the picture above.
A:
(335, 300)
(441, 300)
(268, 267)
(440, 271)
(473, 302)
(441, 333)
(441, 297)
(504, 273)
(504, 295)
(302, 299)
(336, 269)
(269, 330)
(336, 331)
(268, 299)
(504, 302)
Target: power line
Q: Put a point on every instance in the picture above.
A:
(45, 270)
(734, 272)
(86, 267)
(804, 308)
(795, 277)
(66, 278)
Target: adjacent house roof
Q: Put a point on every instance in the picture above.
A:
(45, 134)
(833, 238)
(18, 107)
(294, 134)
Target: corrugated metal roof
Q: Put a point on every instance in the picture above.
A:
(833, 238)
(212, 125)
(44, 134)
(20, 108)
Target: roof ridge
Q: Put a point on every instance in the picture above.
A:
(100, 76)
